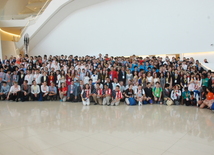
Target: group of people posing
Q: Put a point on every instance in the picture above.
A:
(107, 80)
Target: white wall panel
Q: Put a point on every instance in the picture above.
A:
(141, 27)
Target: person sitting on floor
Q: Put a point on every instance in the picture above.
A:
(35, 91)
(4, 90)
(25, 91)
(85, 95)
(116, 96)
(106, 95)
(52, 91)
(45, 91)
(14, 93)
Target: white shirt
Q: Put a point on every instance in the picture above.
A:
(44, 89)
(29, 78)
(86, 79)
(94, 78)
(14, 89)
(175, 94)
(37, 78)
(35, 89)
(114, 85)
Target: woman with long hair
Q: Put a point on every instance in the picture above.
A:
(86, 78)
(51, 78)
(149, 78)
(162, 80)
(68, 77)
(169, 79)
(85, 95)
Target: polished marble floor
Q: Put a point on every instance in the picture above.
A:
(54, 128)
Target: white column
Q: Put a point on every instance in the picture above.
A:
(0, 47)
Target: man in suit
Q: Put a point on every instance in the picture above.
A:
(108, 83)
(44, 78)
(175, 78)
(122, 75)
(21, 77)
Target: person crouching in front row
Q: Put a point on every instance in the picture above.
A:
(63, 92)
(4, 91)
(45, 91)
(106, 95)
(52, 92)
(14, 93)
(72, 92)
(25, 91)
(85, 95)
(35, 90)
(97, 95)
(116, 96)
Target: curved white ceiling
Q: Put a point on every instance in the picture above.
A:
(58, 16)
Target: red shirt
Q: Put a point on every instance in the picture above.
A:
(141, 61)
(108, 91)
(113, 74)
(118, 95)
(64, 89)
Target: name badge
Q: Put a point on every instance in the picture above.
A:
(175, 81)
(71, 92)
(123, 77)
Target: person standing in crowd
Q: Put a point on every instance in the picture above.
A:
(166, 93)
(37, 77)
(8, 78)
(29, 77)
(15, 77)
(113, 74)
(44, 78)
(122, 75)
(21, 77)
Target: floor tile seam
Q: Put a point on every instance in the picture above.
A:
(132, 151)
(58, 146)
(51, 148)
(34, 137)
(15, 138)
(175, 143)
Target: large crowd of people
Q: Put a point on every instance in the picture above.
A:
(106, 80)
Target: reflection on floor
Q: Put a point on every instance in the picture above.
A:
(54, 128)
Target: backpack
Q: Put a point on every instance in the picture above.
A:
(132, 101)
